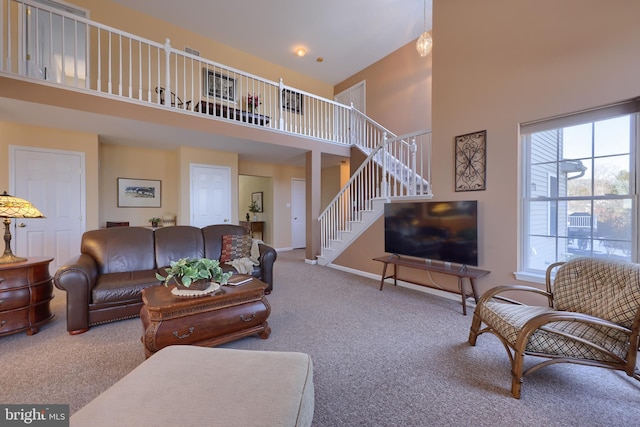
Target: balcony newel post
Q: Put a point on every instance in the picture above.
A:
(413, 181)
(281, 107)
(385, 181)
(352, 126)
(167, 69)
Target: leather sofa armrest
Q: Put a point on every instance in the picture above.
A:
(77, 277)
(268, 257)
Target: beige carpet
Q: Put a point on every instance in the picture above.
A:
(393, 358)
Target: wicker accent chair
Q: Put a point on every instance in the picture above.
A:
(593, 318)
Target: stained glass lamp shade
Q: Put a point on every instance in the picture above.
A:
(14, 207)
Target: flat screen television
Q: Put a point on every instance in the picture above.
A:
(443, 231)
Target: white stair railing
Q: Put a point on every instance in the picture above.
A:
(396, 167)
(54, 46)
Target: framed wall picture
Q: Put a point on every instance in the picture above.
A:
(139, 193)
(292, 101)
(257, 199)
(471, 161)
(218, 85)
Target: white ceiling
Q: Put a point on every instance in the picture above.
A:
(349, 34)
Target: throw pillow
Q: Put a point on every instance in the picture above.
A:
(234, 247)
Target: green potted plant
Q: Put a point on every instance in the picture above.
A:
(254, 208)
(154, 222)
(194, 273)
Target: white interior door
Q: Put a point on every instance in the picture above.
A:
(355, 95)
(210, 195)
(54, 182)
(298, 213)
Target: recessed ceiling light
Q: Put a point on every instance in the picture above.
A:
(301, 52)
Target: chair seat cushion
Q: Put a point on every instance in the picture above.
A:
(509, 319)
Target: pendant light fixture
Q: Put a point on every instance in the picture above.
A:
(425, 42)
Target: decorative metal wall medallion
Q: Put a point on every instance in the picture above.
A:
(471, 161)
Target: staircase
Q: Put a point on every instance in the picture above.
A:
(396, 167)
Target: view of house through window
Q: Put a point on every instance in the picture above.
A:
(579, 195)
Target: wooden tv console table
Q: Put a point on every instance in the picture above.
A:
(228, 112)
(462, 273)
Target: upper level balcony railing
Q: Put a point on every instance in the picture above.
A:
(41, 42)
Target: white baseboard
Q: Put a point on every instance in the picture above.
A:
(471, 303)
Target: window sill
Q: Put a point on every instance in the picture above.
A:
(527, 276)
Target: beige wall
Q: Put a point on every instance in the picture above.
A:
(527, 61)
(398, 90)
(331, 185)
(118, 161)
(32, 136)
(505, 62)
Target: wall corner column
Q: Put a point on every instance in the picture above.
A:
(313, 172)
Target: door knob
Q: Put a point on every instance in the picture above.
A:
(22, 225)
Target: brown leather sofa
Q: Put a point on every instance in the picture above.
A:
(105, 282)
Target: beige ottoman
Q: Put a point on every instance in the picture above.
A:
(200, 386)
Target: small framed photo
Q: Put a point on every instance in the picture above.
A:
(218, 85)
(257, 199)
(292, 101)
(471, 161)
(139, 193)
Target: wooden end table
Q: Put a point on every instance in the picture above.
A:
(26, 291)
(229, 314)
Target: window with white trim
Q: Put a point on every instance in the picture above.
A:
(579, 195)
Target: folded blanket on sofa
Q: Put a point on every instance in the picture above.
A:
(245, 265)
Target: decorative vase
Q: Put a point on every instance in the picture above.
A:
(255, 217)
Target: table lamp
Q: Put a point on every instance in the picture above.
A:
(14, 207)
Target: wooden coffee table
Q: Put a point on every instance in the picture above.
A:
(229, 314)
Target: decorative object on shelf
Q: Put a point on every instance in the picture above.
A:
(253, 102)
(168, 219)
(292, 101)
(14, 207)
(248, 217)
(471, 161)
(154, 222)
(139, 193)
(194, 273)
(425, 42)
